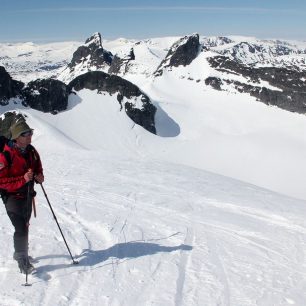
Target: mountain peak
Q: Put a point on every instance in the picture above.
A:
(182, 53)
(88, 57)
(94, 40)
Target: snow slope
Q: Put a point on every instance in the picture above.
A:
(148, 230)
(231, 134)
(148, 217)
(221, 132)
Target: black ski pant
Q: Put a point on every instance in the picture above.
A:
(19, 215)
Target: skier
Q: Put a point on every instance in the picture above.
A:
(20, 166)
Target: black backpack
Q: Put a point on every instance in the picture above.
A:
(3, 141)
(7, 155)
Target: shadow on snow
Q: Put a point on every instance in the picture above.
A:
(126, 250)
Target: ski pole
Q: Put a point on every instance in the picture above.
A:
(27, 223)
(34, 207)
(43, 189)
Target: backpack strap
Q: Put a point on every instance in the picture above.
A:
(8, 158)
(3, 141)
(33, 152)
(7, 155)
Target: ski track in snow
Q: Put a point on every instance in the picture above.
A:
(120, 231)
(102, 224)
(152, 232)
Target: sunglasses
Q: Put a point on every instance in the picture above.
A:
(26, 134)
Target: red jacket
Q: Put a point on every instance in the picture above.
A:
(11, 175)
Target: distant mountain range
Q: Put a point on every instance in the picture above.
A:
(230, 105)
(43, 76)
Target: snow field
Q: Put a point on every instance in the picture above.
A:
(149, 232)
(147, 222)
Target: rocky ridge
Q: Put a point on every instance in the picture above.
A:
(127, 94)
(90, 56)
(272, 71)
(182, 53)
(287, 87)
(49, 95)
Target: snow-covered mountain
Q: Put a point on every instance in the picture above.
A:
(154, 176)
(88, 57)
(271, 71)
(210, 81)
(28, 61)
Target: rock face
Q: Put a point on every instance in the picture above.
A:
(9, 88)
(287, 87)
(46, 95)
(214, 82)
(93, 52)
(89, 57)
(182, 53)
(127, 94)
(120, 65)
(49, 95)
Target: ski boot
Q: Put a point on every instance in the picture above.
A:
(24, 265)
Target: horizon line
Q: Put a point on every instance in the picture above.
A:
(40, 40)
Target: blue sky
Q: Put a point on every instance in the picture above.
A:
(58, 20)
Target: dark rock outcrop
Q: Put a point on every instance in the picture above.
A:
(182, 53)
(114, 85)
(121, 64)
(214, 82)
(92, 52)
(290, 86)
(46, 95)
(9, 88)
(91, 56)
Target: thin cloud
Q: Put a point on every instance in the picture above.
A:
(157, 8)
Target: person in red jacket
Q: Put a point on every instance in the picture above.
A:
(20, 166)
